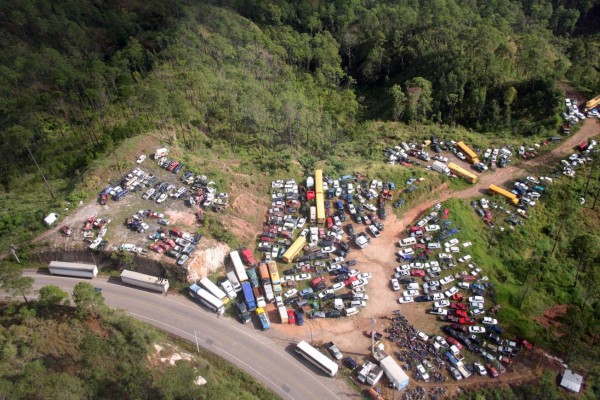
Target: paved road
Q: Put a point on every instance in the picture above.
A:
(270, 360)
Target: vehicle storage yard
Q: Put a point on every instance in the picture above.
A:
(358, 273)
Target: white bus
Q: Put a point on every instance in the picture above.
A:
(238, 266)
(207, 299)
(214, 290)
(317, 358)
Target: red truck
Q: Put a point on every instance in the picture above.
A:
(248, 257)
(584, 145)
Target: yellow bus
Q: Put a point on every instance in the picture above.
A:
(294, 250)
(502, 192)
(319, 181)
(468, 152)
(463, 173)
(320, 208)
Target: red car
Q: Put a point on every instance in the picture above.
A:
(468, 278)
(445, 213)
(461, 313)
(420, 246)
(458, 306)
(291, 317)
(467, 321)
(460, 328)
(492, 371)
(310, 195)
(329, 222)
(349, 281)
(316, 281)
(417, 272)
(453, 342)
(176, 232)
(415, 228)
(157, 248)
(457, 296)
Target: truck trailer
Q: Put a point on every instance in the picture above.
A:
(508, 195)
(283, 314)
(248, 296)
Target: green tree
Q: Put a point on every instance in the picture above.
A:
(584, 248)
(14, 283)
(399, 102)
(51, 295)
(86, 298)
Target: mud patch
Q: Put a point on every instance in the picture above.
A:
(552, 316)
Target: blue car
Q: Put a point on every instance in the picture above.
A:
(299, 318)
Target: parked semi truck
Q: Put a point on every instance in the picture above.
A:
(263, 318)
(463, 173)
(248, 296)
(502, 192)
(471, 155)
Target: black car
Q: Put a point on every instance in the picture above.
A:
(350, 363)
(242, 312)
(406, 281)
(333, 314)
(320, 286)
(421, 299)
(350, 229)
(344, 246)
(378, 225)
(382, 213)
(476, 339)
(340, 278)
(340, 252)
(328, 296)
(495, 338)
(350, 263)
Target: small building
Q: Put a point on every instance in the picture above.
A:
(73, 269)
(571, 381)
(51, 218)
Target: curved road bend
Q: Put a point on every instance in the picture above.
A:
(271, 362)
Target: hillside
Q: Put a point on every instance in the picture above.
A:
(55, 351)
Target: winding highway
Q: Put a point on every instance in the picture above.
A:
(270, 360)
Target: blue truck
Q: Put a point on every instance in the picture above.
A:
(248, 296)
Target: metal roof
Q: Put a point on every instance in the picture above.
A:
(571, 381)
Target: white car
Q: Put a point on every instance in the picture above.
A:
(476, 329)
(438, 296)
(406, 252)
(476, 311)
(464, 259)
(422, 372)
(422, 336)
(374, 230)
(441, 303)
(454, 249)
(395, 284)
(434, 245)
(338, 286)
(474, 299)
(413, 286)
(489, 321)
(403, 267)
(328, 249)
(301, 222)
(477, 304)
(141, 159)
(365, 275)
(438, 311)
(359, 283)
(406, 299)
(287, 278)
(323, 293)
(446, 280)
(440, 158)
(451, 242)
(337, 260)
(333, 267)
(464, 285)
(351, 209)
(432, 228)
(290, 293)
(304, 232)
(480, 369)
(353, 272)
(452, 291)
(467, 244)
(410, 293)
(303, 277)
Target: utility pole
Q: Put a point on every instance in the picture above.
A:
(197, 346)
(14, 253)
(373, 335)
(41, 173)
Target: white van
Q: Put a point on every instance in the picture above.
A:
(358, 303)
(410, 241)
(351, 311)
